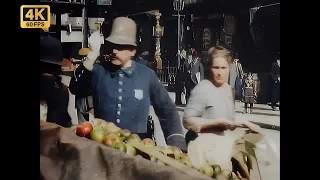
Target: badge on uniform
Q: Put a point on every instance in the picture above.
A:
(138, 94)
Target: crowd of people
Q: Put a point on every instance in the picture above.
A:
(124, 88)
(243, 84)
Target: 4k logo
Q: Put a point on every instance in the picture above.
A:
(35, 16)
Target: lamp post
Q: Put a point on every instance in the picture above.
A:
(158, 33)
(178, 6)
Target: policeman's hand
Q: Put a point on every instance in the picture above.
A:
(95, 41)
(178, 141)
(94, 46)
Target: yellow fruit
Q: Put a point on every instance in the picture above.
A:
(148, 142)
(121, 146)
(130, 150)
(227, 173)
(207, 170)
(97, 135)
(216, 169)
(134, 138)
(221, 177)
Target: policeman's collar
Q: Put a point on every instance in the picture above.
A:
(129, 70)
(115, 70)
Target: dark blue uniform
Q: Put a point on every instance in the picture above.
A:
(142, 61)
(123, 96)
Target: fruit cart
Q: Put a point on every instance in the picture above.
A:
(65, 155)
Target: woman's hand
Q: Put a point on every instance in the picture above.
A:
(253, 127)
(218, 125)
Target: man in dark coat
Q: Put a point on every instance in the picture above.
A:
(52, 91)
(197, 71)
(275, 73)
(194, 72)
(123, 89)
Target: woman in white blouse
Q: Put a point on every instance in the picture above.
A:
(211, 104)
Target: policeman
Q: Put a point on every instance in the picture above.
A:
(123, 89)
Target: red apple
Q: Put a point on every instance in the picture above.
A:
(84, 129)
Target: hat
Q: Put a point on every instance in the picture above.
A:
(123, 32)
(50, 49)
(189, 52)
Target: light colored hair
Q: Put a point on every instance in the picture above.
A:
(220, 51)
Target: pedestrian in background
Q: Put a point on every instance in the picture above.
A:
(236, 78)
(275, 73)
(249, 93)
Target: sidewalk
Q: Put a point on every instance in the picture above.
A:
(262, 113)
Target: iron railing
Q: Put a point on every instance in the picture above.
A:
(167, 76)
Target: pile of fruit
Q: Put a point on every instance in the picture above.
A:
(110, 135)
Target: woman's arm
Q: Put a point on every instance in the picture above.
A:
(198, 124)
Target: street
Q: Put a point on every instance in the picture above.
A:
(268, 151)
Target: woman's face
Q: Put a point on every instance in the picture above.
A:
(220, 71)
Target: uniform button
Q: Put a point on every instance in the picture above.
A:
(118, 112)
(120, 82)
(132, 117)
(120, 90)
(118, 121)
(119, 105)
(120, 98)
(121, 75)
